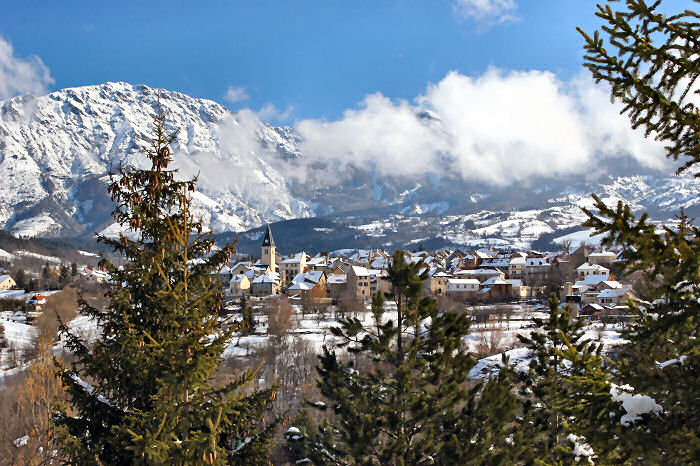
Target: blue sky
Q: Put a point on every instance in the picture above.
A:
(502, 77)
(313, 58)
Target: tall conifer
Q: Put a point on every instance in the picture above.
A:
(404, 399)
(642, 406)
(150, 397)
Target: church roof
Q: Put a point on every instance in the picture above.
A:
(268, 240)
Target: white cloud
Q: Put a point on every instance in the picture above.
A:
(20, 75)
(270, 112)
(487, 11)
(235, 94)
(500, 127)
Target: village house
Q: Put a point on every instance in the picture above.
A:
(516, 268)
(7, 282)
(616, 296)
(589, 269)
(358, 282)
(436, 283)
(35, 307)
(604, 258)
(462, 288)
(266, 284)
(495, 289)
(591, 292)
(302, 283)
(537, 270)
(480, 274)
(292, 266)
(318, 262)
(239, 285)
(336, 284)
(378, 282)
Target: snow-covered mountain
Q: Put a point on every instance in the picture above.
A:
(55, 151)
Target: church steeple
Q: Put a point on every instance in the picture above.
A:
(268, 249)
(268, 240)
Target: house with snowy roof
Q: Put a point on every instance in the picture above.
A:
(307, 281)
(462, 288)
(336, 284)
(588, 269)
(604, 258)
(480, 274)
(358, 279)
(495, 289)
(266, 284)
(537, 270)
(239, 285)
(291, 266)
(7, 282)
(378, 281)
(436, 283)
(589, 294)
(516, 267)
(318, 262)
(616, 296)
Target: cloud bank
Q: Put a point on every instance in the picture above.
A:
(21, 75)
(489, 12)
(235, 94)
(500, 127)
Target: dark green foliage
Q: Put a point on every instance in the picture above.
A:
(11, 304)
(653, 72)
(403, 397)
(63, 275)
(21, 279)
(247, 318)
(652, 69)
(547, 394)
(73, 269)
(153, 400)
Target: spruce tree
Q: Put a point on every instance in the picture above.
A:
(150, 397)
(548, 401)
(403, 396)
(247, 318)
(642, 405)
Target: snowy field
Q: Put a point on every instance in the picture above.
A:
(496, 335)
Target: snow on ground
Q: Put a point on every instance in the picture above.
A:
(520, 358)
(89, 254)
(6, 256)
(55, 260)
(20, 339)
(579, 237)
(83, 326)
(35, 226)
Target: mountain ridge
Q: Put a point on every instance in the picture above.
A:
(56, 150)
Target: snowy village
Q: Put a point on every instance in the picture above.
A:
(329, 233)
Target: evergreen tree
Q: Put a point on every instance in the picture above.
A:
(247, 318)
(410, 404)
(46, 272)
(547, 403)
(73, 269)
(652, 69)
(21, 279)
(152, 400)
(642, 405)
(63, 275)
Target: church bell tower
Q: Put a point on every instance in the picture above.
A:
(268, 249)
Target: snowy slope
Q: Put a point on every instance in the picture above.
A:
(55, 151)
